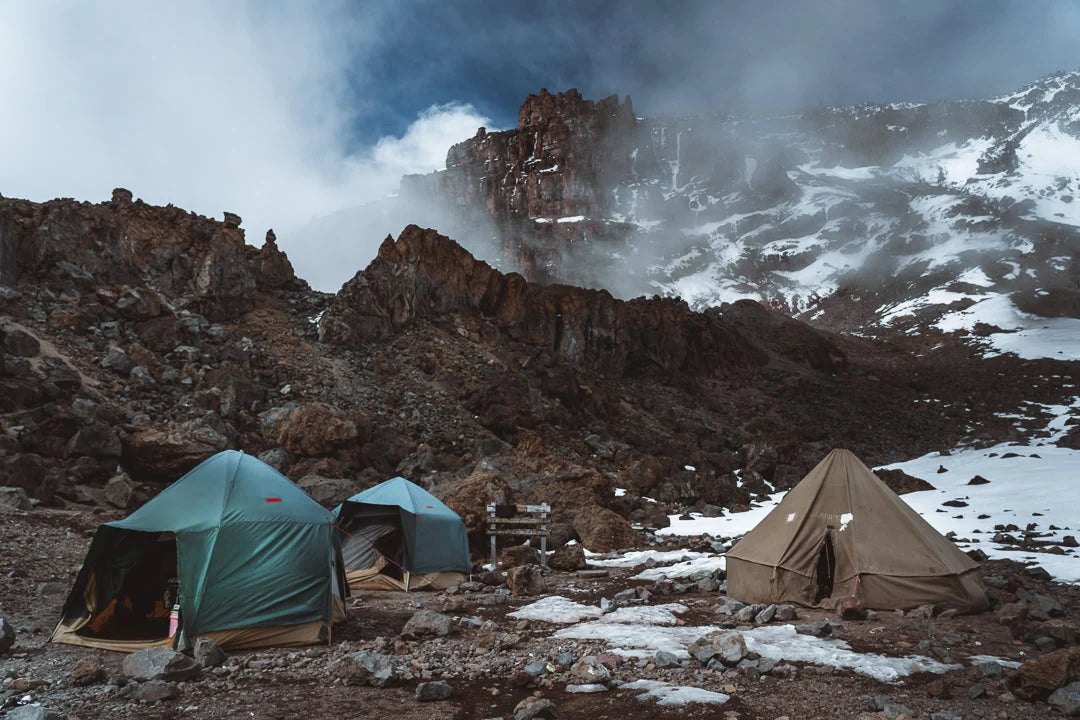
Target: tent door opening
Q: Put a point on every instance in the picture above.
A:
(826, 569)
(134, 587)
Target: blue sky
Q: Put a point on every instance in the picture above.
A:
(291, 113)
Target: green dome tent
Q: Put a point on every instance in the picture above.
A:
(253, 560)
(398, 536)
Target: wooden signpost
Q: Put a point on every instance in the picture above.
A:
(519, 520)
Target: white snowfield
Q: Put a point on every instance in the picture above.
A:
(642, 630)
(668, 694)
(1041, 485)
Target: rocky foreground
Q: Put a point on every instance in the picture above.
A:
(463, 653)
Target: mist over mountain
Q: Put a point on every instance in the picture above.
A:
(895, 207)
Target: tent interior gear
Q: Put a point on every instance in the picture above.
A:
(842, 532)
(245, 556)
(398, 536)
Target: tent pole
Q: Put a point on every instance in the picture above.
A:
(407, 576)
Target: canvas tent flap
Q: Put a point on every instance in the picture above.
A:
(884, 552)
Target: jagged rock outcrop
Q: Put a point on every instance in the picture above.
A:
(424, 275)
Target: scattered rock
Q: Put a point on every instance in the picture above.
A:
(433, 691)
(7, 635)
(1037, 679)
(728, 647)
(364, 668)
(160, 663)
(535, 708)
(208, 653)
(589, 670)
(427, 623)
(602, 530)
(568, 558)
(978, 480)
(850, 608)
(89, 670)
(1066, 700)
(515, 555)
(153, 691)
(14, 498)
(526, 580)
(664, 659)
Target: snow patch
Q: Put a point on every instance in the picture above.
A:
(668, 694)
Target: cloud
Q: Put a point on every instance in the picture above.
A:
(246, 107)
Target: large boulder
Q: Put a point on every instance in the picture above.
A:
(89, 670)
(7, 635)
(364, 668)
(165, 453)
(160, 663)
(329, 492)
(642, 476)
(602, 530)
(1066, 700)
(14, 498)
(517, 555)
(96, 439)
(1037, 679)
(568, 558)
(314, 429)
(526, 580)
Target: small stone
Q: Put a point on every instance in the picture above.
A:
(153, 691)
(850, 608)
(7, 635)
(208, 653)
(535, 708)
(427, 623)
(976, 691)
(87, 671)
(14, 498)
(664, 659)
(365, 668)
(160, 663)
(589, 670)
(433, 691)
(765, 615)
(1066, 700)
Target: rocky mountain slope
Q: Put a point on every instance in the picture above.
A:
(870, 218)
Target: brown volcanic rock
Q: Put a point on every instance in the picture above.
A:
(469, 498)
(602, 530)
(1037, 679)
(165, 453)
(900, 482)
(316, 429)
(424, 275)
(183, 255)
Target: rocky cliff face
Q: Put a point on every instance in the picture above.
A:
(874, 209)
(424, 275)
(135, 341)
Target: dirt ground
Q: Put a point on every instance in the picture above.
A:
(43, 549)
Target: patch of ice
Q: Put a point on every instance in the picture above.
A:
(571, 219)
(845, 518)
(619, 492)
(638, 557)
(781, 642)
(691, 468)
(791, 517)
(668, 694)
(702, 565)
(638, 640)
(556, 609)
(1003, 662)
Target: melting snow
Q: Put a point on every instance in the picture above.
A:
(668, 694)
(638, 557)
(698, 566)
(781, 642)
(556, 609)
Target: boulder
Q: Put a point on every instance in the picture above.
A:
(139, 304)
(7, 635)
(1066, 700)
(14, 498)
(588, 671)
(165, 453)
(119, 492)
(96, 439)
(89, 670)
(526, 580)
(535, 708)
(160, 663)
(364, 668)
(427, 623)
(728, 646)
(568, 558)
(560, 534)
(517, 555)
(328, 492)
(900, 482)
(433, 691)
(602, 530)
(208, 653)
(154, 691)
(20, 343)
(642, 476)
(315, 429)
(1037, 679)
(850, 608)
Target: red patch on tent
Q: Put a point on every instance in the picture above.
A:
(273, 499)
(430, 507)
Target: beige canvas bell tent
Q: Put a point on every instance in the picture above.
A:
(842, 532)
